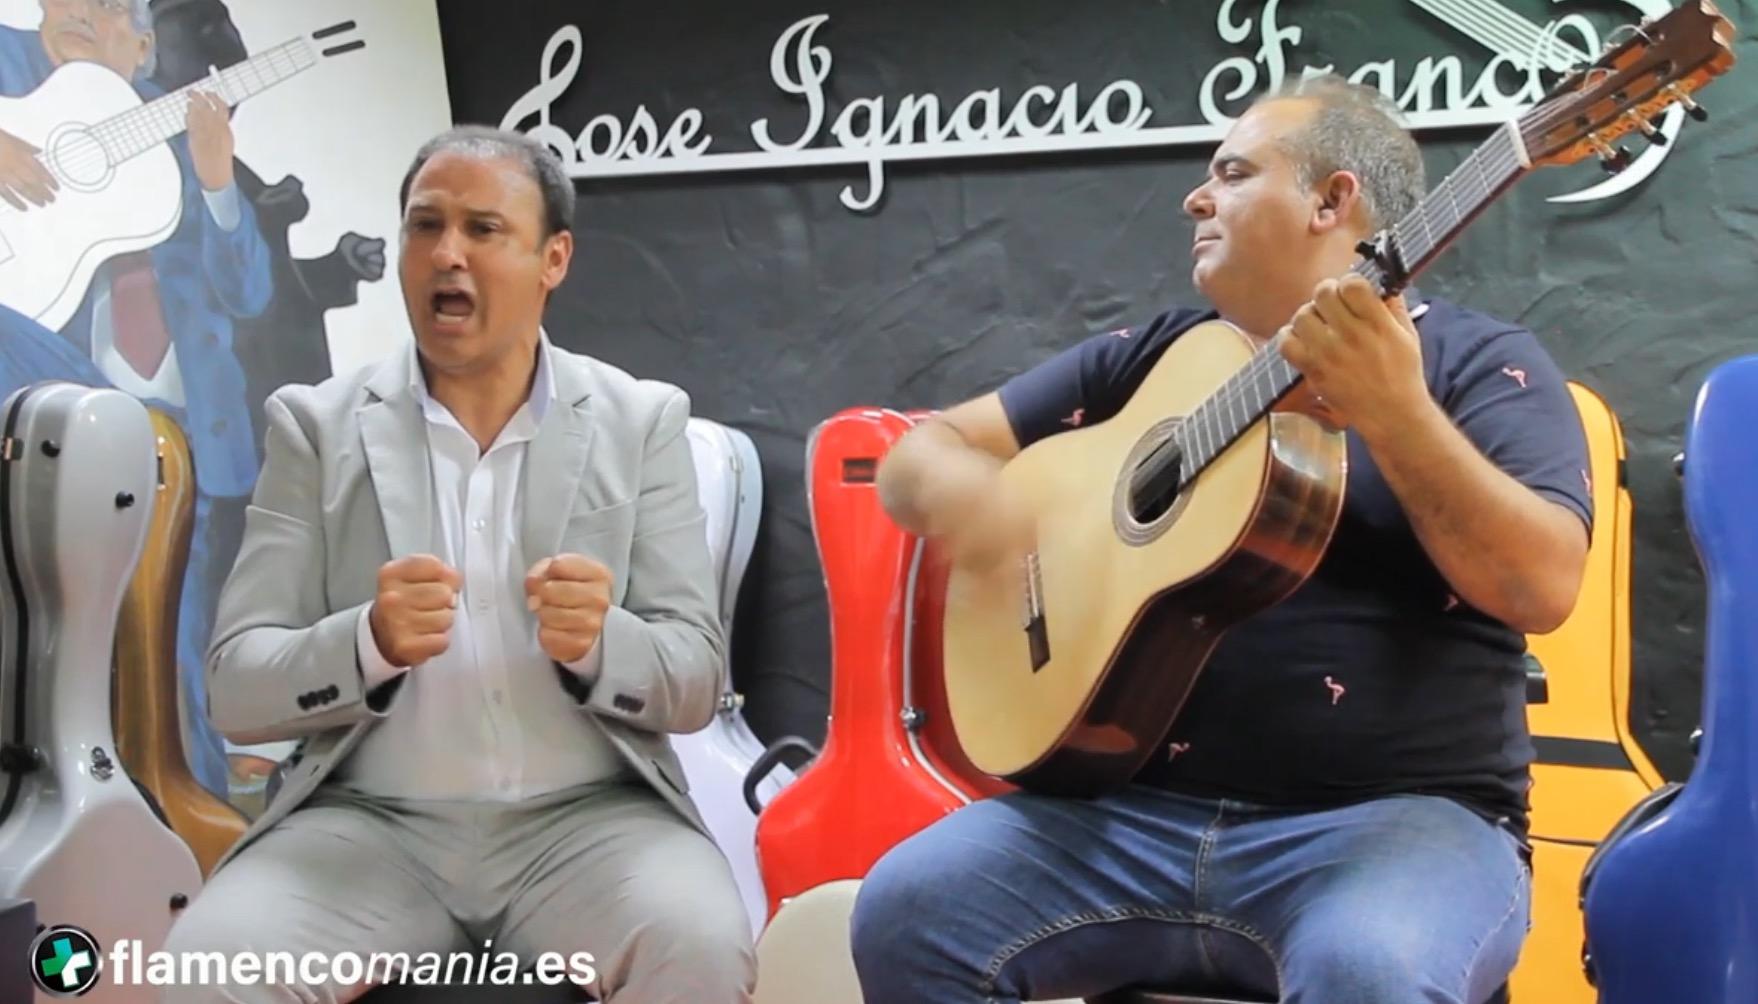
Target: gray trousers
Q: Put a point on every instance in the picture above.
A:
(611, 879)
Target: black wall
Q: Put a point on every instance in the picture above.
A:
(776, 306)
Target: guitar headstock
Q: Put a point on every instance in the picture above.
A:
(1662, 63)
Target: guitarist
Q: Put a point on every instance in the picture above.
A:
(155, 324)
(1340, 812)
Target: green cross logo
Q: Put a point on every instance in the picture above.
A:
(65, 961)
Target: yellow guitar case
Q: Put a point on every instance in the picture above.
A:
(1590, 771)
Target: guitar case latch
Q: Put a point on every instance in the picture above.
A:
(18, 758)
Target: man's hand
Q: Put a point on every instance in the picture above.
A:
(990, 530)
(570, 594)
(985, 527)
(1360, 355)
(22, 176)
(412, 616)
(210, 140)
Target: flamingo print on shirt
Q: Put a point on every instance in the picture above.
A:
(1336, 690)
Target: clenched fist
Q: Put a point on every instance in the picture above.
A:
(570, 594)
(412, 616)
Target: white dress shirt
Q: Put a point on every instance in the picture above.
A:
(487, 719)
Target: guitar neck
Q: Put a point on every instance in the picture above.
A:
(140, 129)
(1408, 248)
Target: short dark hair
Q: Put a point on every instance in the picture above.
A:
(1356, 129)
(539, 162)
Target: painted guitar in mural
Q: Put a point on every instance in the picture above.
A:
(1208, 498)
(120, 187)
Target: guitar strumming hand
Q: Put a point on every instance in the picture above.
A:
(1359, 355)
(1181, 485)
(24, 181)
(985, 526)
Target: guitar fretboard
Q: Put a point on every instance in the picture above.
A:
(1417, 240)
(140, 129)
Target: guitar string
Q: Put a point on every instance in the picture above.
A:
(1503, 161)
(141, 128)
(153, 123)
(1210, 429)
(1266, 363)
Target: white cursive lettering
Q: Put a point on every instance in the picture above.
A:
(605, 138)
(877, 130)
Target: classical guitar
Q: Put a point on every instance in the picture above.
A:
(149, 734)
(120, 187)
(1205, 499)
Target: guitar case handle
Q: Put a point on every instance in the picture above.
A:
(767, 763)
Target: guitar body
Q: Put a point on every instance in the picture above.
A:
(76, 836)
(49, 254)
(149, 730)
(1132, 607)
(1670, 894)
(934, 740)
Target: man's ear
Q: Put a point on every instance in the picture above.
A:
(1338, 201)
(558, 251)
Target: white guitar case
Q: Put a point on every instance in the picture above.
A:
(78, 477)
(729, 479)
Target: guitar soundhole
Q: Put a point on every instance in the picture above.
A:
(1146, 499)
(1154, 486)
(78, 159)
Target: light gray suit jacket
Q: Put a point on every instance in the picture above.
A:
(346, 486)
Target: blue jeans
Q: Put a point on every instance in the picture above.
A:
(1028, 898)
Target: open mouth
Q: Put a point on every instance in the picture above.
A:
(452, 307)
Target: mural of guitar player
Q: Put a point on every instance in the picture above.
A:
(141, 254)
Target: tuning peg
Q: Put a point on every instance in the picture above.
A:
(1692, 108)
(1614, 161)
(1648, 129)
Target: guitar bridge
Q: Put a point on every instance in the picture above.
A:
(1037, 635)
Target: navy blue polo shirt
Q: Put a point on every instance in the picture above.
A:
(1372, 678)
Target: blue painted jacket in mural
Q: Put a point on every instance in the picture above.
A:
(207, 277)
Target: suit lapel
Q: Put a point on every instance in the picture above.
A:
(555, 461)
(394, 437)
